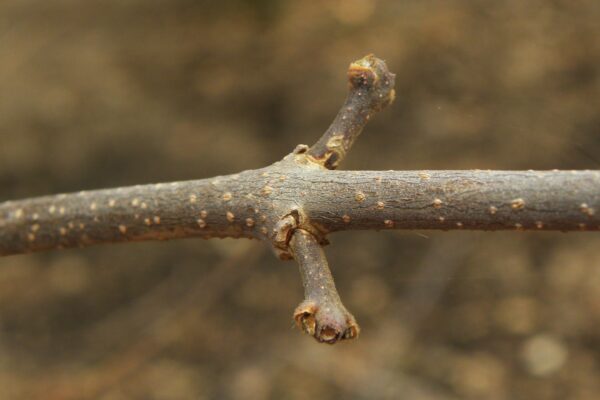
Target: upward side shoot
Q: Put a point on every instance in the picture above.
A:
(295, 203)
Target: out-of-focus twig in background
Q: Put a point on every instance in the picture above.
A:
(109, 93)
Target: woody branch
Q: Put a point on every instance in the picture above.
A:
(295, 203)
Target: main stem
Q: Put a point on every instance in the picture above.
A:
(249, 204)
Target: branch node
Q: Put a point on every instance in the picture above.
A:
(282, 234)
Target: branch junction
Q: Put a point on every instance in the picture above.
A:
(295, 203)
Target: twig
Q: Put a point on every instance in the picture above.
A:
(295, 203)
(321, 314)
(371, 90)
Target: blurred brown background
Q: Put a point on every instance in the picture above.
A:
(116, 92)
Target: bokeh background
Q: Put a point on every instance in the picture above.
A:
(104, 93)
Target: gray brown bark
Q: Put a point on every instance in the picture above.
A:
(371, 88)
(250, 204)
(321, 314)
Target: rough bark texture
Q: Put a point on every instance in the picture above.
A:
(294, 203)
(481, 200)
(251, 203)
(204, 208)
